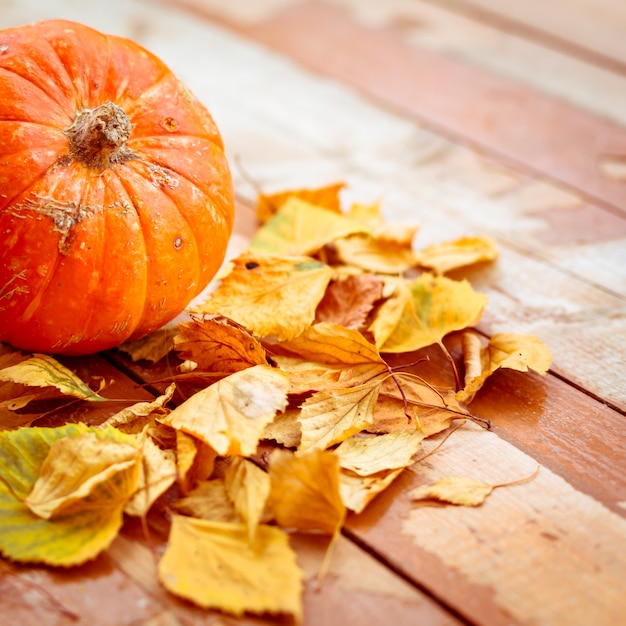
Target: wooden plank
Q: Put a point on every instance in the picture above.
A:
(563, 24)
(448, 29)
(541, 552)
(531, 131)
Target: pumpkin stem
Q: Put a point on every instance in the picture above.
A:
(98, 137)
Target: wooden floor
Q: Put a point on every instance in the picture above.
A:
(505, 119)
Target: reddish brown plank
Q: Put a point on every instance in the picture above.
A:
(525, 129)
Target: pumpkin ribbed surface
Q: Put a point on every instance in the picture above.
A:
(116, 200)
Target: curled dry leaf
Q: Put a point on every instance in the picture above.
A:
(504, 350)
(358, 491)
(218, 345)
(152, 347)
(42, 370)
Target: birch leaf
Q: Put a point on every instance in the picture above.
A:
(304, 491)
(231, 414)
(374, 454)
(372, 254)
(214, 565)
(42, 370)
(438, 306)
(504, 350)
(444, 257)
(326, 197)
(271, 296)
(248, 488)
(358, 491)
(195, 460)
(301, 228)
(328, 417)
(460, 490)
(82, 531)
(208, 500)
(157, 473)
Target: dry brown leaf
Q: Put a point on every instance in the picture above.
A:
(218, 345)
(348, 302)
(208, 500)
(152, 347)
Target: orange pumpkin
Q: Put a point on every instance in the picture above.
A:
(116, 199)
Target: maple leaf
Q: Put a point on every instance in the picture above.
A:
(301, 228)
(444, 257)
(504, 350)
(326, 197)
(231, 414)
(218, 345)
(42, 370)
(72, 533)
(214, 565)
(271, 296)
(348, 302)
(328, 417)
(311, 481)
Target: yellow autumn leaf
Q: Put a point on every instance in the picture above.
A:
(304, 491)
(365, 455)
(231, 414)
(214, 565)
(248, 488)
(271, 296)
(504, 350)
(285, 429)
(384, 256)
(218, 345)
(208, 500)
(358, 491)
(301, 228)
(157, 473)
(438, 306)
(444, 257)
(326, 197)
(397, 298)
(77, 467)
(195, 460)
(460, 490)
(42, 370)
(328, 417)
(82, 531)
(327, 356)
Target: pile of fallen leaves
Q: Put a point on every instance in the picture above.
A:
(291, 352)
